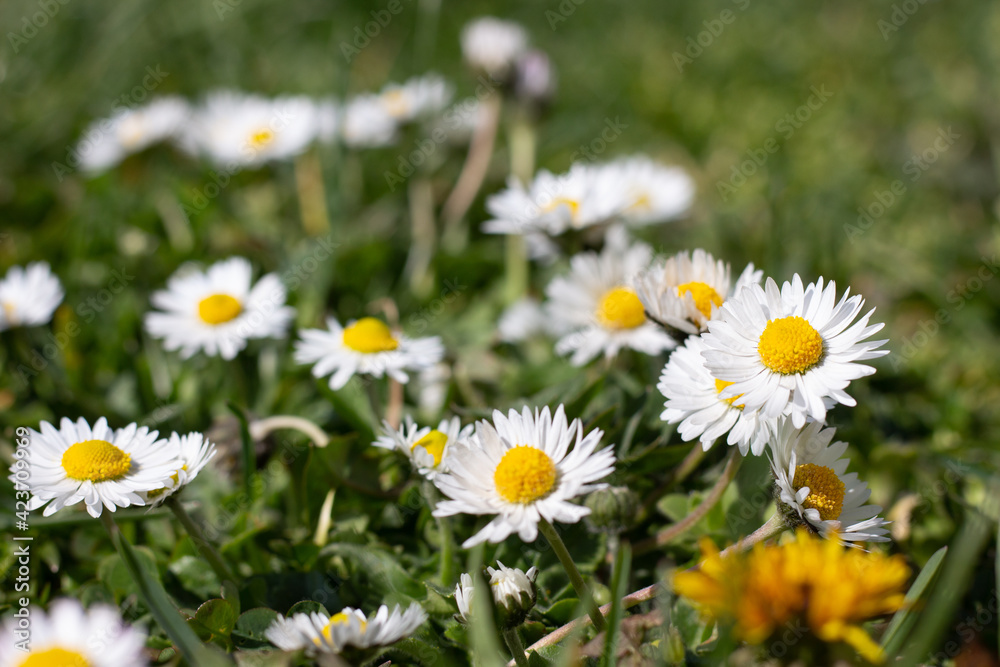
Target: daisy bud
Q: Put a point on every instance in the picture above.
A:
(612, 510)
(514, 595)
(535, 80)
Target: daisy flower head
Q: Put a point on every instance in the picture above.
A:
(365, 347)
(428, 449)
(218, 310)
(322, 634)
(598, 309)
(195, 451)
(110, 140)
(28, 296)
(513, 592)
(70, 636)
(104, 467)
(787, 350)
(650, 191)
(694, 403)
(815, 489)
(367, 123)
(522, 469)
(416, 98)
(685, 291)
(493, 45)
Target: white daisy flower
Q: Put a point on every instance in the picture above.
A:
(511, 588)
(520, 468)
(428, 449)
(417, 97)
(194, 451)
(493, 45)
(70, 636)
(318, 633)
(110, 140)
(367, 123)
(101, 466)
(686, 290)
(815, 487)
(786, 351)
(218, 311)
(366, 346)
(239, 130)
(594, 303)
(651, 192)
(693, 401)
(28, 296)
(522, 320)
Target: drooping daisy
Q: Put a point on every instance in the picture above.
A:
(511, 588)
(195, 451)
(650, 191)
(493, 45)
(101, 466)
(693, 401)
(218, 311)
(815, 487)
(367, 123)
(686, 290)
(785, 351)
(70, 636)
(28, 296)
(110, 140)
(365, 346)
(594, 303)
(428, 449)
(416, 97)
(521, 468)
(318, 633)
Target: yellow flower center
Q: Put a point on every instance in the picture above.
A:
(572, 204)
(434, 443)
(395, 103)
(95, 460)
(826, 490)
(260, 138)
(340, 618)
(704, 296)
(525, 474)
(722, 384)
(620, 308)
(219, 309)
(369, 335)
(790, 345)
(175, 478)
(9, 311)
(55, 657)
(641, 203)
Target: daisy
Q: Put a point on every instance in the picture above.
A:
(101, 466)
(416, 98)
(194, 452)
(815, 487)
(109, 141)
(428, 449)
(598, 309)
(693, 401)
(785, 351)
(218, 311)
(520, 469)
(513, 589)
(71, 636)
(318, 633)
(651, 191)
(493, 45)
(28, 296)
(367, 123)
(365, 346)
(686, 290)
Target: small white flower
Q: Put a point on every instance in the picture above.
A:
(318, 633)
(428, 449)
(816, 488)
(100, 466)
(217, 311)
(70, 636)
(367, 123)
(28, 296)
(521, 469)
(195, 452)
(365, 346)
(416, 98)
(110, 140)
(493, 45)
(693, 401)
(651, 192)
(595, 305)
(786, 351)
(511, 588)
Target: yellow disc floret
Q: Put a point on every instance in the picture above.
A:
(722, 384)
(219, 309)
(790, 345)
(704, 296)
(826, 489)
(340, 618)
(525, 474)
(434, 443)
(96, 461)
(620, 308)
(369, 335)
(55, 657)
(260, 138)
(572, 204)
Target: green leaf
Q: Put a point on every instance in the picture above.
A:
(564, 611)
(231, 594)
(307, 607)
(114, 573)
(195, 576)
(217, 616)
(619, 582)
(903, 621)
(251, 626)
(381, 569)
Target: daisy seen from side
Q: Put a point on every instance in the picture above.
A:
(194, 451)
(319, 633)
(427, 448)
(29, 296)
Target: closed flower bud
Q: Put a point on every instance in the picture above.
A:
(513, 590)
(612, 509)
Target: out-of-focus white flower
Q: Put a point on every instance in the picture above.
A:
(29, 296)
(318, 633)
(417, 97)
(108, 141)
(493, 45)
(367, 123)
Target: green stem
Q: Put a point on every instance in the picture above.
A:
(447, 550)
(205, 548)
(516, 647)
(550, 533)
(772, 528)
